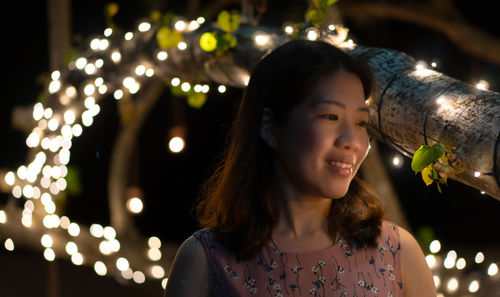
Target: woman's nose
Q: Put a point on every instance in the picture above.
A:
(347, 137)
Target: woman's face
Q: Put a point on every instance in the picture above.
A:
(324, 140)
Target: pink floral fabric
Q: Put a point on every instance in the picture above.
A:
(335, 271)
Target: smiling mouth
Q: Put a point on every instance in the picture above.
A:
(340, 164)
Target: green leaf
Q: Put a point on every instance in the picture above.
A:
(230, 40)
(208, 42)
(315, 16)
(167, 38)
(196, 100)
(329, 2)
(228, 21)
(425, 156)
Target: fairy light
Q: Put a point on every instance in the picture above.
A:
(164, 282)
(139, 277)
(49, 254)
(176, 144)
(479, 258)
(492, 269)
(74, 229)
(154, 254)
(431, 261)
(47, 241)
(80, 63)
(47, 113)
(261, 39)
(122, 264)
(175, 81)
(200, 20)
(288, 30)
(108, 32)
(17, 192)
(71, 248)
(221, 89)
(185, 86)
(461, 264)
(114, 245)
(135, 205)
(477, 174)
(482, 85)
(157, 271)
(437, 281)
(144, 27)
(10, 178)
(182, 45)
(397, 161)
(105, 247)
(9, 244)
(99, 63)
(118, 94)
(100, 268)
(140, 70)
(452, 285)
(435, 246)
(312, 34)
(3, 217)
(127, 274)
(193, 25)
(162, 55)
(180, 25)
(38, 111)
(116, 56)
(77, 258)
(109, 233)
(128, 36)
(474, 286)
(154, 242)
(96, 230)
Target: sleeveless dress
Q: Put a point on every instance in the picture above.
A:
(334, 271)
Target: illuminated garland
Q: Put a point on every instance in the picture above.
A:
(110, 66)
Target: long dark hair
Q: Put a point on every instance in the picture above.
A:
(239, 201)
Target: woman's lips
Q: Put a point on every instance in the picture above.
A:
(343, 169)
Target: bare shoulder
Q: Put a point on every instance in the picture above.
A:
(417, 277)
(190, 272)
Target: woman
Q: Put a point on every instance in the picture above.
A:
(284, 213)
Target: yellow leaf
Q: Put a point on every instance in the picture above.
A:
(427, 175)
(112, 9)
(167, 38)
(444, 159)
(208, 42)
(228, 21)
(155, 15)
(196, 100)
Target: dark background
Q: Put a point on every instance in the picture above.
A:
(460, 217)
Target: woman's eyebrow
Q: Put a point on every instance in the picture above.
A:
(340, 104)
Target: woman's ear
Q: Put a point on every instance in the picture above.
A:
(267, 128)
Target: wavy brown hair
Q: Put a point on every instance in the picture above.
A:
(239, 202)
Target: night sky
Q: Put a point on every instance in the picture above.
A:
(459, 216)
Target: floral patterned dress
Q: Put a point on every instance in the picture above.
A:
(334, 271)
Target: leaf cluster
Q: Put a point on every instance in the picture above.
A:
(220, 42)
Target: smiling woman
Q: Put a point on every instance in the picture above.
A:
(284, 212)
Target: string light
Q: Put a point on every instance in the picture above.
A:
(482, 85)
(176, 144)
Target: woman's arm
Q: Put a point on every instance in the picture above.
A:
(190, 274)
(417, 277)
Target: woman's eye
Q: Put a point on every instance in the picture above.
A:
(363, 124)
(331, 117)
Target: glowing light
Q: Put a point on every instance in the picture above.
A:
(482, 85)
(193, 25)
(461, 264)
(105, 247)
(17, 192)
(140, 70)
(96, 230)
(421, 65)
(47, 113)
(397, 161)
(449, 262)
(162, 55)
(312, 34)
(185, 86)
(477, 174)
(221, 89)
(154, 242)
(431, 261)
(47, 241)
(116, 56)
(100, 268)
(435, 246)
(90, 68)
(127, 274)
(77, 259)
(437, 281)
(433, 64)
(261, 39)
(28, 191)
(176, 144)
(71, 248)
(205, 89)
(157, 271)
(80, 63)
(56, 75)
(37, 111)
(180, 25)
(175, 81)
(64, 222)
(182, 45)
(492, 269)
(154, 254)
(10, 178)
(74, 229)
(87, 119)
(288, 30)
(150, 72)
(108, 32)
(51, 221)
(144, 27)
(452, 285)
(474, 286)
(49, 254)
(200, 20)
(118, 94)
(76, 130)
(164, 282)
(9, 244)
(134, 205)
(54, 86)
(479, 258)
(129, 36)
(114, 245)
(139, 277)
(109, 233)
(69, 117)
(122, 264)
(3, 217)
